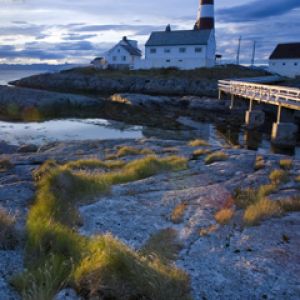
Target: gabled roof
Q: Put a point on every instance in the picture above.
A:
(132, 50)
(288, 51)
(179, 37)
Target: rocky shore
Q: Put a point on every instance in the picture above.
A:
(231, 261)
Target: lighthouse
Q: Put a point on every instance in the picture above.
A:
(206, 15)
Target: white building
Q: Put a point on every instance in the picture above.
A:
(183, 49)
(123, 55)
(285, 60)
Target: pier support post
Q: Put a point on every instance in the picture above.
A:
(284, 134)
(254, 118)
(232, 102)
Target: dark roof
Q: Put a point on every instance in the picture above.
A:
(286, 51)
(179, 37)
(132, 50)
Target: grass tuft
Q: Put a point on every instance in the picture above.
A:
(224, 216)
(279, 176)
(286, 164)
(216, 156)
(8, 233)
(244, 198)
(208, 230)
(290, 204)
(259, 163)
(5, 165)
(266, 190)
(200, 152)
(261, 210)
(178, 213)
(163, 244)
(128, 150)
(198, 143)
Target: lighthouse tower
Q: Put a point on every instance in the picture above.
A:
(206, 15)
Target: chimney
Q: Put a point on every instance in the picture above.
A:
(206, 15)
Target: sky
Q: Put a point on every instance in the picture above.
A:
(65, 31)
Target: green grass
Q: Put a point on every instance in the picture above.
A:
(216, 156)
(8, 233)
(286, 164)
(53, 242)
(89, 164)
(198, 143)
(163, 244)
(279, 176)
(128, 150)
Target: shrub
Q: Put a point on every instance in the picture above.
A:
(261, 210)
(8, 233)
(163, 244)
(259, 163)
(279, 176)
(200, 152)
(5, 165)
(286, 164)
(224, 216)
(244, 198)
(117, 272)
(178, 213)
(198, 143)
(216, 156)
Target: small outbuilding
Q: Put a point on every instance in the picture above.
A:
(285, 60)
(124, 55)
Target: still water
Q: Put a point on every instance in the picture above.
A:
(18, 133)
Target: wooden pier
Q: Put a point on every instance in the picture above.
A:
(279, 96)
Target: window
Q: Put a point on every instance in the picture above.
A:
(114, 58)
(295, 64)
(153, 50)
(198, 50)
(182, 50)
(283, 64)
(167, 50)
(124, 58)
(180, 60)
(168, 60)
(273, 64)
(119, 50)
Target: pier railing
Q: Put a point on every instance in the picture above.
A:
(276, 95)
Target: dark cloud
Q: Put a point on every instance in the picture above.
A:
(257, 10)
(78, 37)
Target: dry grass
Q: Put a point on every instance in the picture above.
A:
(297, 179)
(286, 164)
(198, 143)
(208, 230)
(261, 210)
(90, 164)
(5, 165)
(224, 216)
(259, 163)
(244, 198)
(200, 152)
(266, 190)
(279, 176)
(8, 233)
(290, 204)
(128, 150)
(216, 156)
(163, 244)
(178, 212)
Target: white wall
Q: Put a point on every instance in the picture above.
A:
(285, 67)
(118, 53)
(190, 59)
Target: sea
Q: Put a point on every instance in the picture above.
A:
(18, 133)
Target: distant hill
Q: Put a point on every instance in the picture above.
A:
(36, 67)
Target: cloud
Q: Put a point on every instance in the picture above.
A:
(257, 9)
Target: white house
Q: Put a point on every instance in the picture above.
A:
(123, 55)
(285, 60)
(183, 49)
